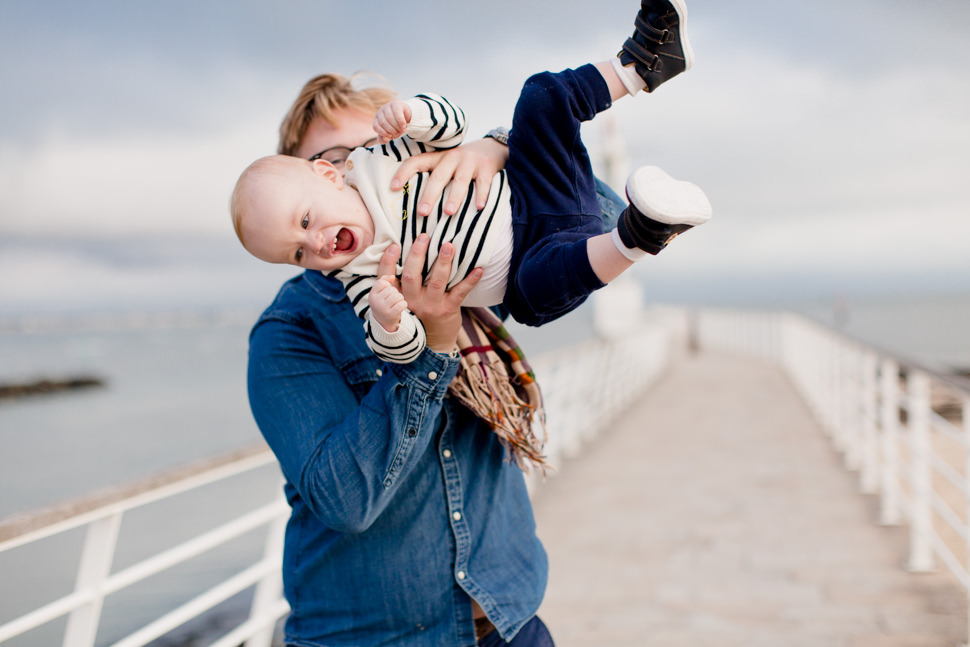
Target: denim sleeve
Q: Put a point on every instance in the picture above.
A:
(344, 456)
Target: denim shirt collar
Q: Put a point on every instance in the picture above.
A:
(326, 286)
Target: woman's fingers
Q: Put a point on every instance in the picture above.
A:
(387, 266)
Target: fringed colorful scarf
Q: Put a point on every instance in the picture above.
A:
(497, 384)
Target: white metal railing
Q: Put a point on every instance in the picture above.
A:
(102, 521)
(588, 386)
(904, 427)
(584, 386)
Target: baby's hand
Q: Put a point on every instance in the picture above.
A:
(392, 120)
(387, 303)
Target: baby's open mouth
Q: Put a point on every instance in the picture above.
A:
(343, 241)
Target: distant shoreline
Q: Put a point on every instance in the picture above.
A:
(126, 320)
(45, 386)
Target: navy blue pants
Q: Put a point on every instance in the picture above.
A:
(555, 208)
(533, 634)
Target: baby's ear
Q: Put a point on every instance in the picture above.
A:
(327, 170)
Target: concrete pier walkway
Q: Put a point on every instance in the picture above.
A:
(715, 513)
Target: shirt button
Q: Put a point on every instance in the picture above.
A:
(379, 372)
(456, 516)
(461, 575)
(349, 164)
(432, 375)
(446, 453)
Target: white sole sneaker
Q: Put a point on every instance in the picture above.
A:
(666, 200)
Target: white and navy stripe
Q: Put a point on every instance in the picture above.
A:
(435, 124)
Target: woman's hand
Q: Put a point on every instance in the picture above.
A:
(478, 161)
(438, 308)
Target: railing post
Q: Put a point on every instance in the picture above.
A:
(835, 394)
(820, 378)
(804, 364)
(813, 365)
(95, 566)
(918, 421)
(966, 477)
(778, 321)
(823, 379)
(869, 472)
(270, 587)
(889, 512)
(851, 399)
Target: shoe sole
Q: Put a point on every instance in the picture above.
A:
(681, 9)
(666, 200)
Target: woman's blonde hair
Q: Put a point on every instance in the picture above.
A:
(322, 96)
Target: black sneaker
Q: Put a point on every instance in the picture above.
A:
(661, 208)
(659, 48)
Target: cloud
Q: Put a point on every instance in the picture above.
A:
(73, 183)
(136, 119)
(60, 275)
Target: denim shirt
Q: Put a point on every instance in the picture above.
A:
(404, 505)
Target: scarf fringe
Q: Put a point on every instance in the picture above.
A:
(486, 389)
(483, 384)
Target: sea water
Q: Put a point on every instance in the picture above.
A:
(929, 329)
(174, 393)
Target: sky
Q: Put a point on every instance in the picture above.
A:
(831, 137)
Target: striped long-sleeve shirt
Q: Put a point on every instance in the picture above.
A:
(482, 238)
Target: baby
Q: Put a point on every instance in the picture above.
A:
(539, 238)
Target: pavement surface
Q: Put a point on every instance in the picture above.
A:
(715, 512)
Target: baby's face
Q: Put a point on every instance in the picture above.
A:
(307, 217)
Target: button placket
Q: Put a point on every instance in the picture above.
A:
(459, 528)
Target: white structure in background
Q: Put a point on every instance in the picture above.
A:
(616, 162)
(618, 308)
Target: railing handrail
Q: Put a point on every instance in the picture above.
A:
(21, 528)
(102, 513)
(905, 361)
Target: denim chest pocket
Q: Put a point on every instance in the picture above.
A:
(343, 332)
(361, 372)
